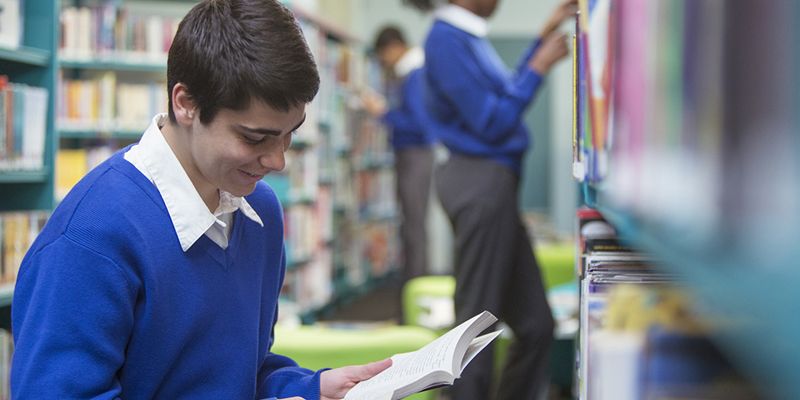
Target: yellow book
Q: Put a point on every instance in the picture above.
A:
(71, 166)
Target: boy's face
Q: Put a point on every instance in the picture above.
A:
(486, 8)
(390, 55)
(236, 150)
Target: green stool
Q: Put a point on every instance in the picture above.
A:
(316, 347)
(557, 263)
(428, 302)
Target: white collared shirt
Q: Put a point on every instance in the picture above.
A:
(412, 59)
(191, 218)
(463, 19)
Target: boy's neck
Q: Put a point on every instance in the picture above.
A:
(177, 138)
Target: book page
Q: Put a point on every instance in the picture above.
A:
(476, 346)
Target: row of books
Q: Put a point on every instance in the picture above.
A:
(641, 337)
(673, 129)
(111, 31)
(18, 230)
(310, 287)
(303, 232)
(104, 103)
(371, 142)
(23, 126)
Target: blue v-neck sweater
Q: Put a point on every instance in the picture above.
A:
(475, 102)
(408, 117)
(108, 306)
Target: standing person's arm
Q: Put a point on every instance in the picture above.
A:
(565, 9)
(456, 75)
(73, 313)
(395, 118)
(554, 45)
(553, 49)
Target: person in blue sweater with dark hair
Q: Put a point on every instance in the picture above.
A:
(411, 139)
(477, 106)
(158, 275)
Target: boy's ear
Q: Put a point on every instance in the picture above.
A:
(183, 106)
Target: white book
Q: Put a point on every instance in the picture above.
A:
(33, 145)
(438, 363)
(11, 24)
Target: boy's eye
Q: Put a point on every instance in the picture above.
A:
(253, 140)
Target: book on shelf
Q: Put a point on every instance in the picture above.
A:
(439, 363)
(23, 125)
(11, 24)
(71, 166)
(110, 32)
(18, 230)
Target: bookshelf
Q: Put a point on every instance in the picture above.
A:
(26, 186)
(28, 144)
(691, 151)
(335, 161)
(112, 57)
(32, 62)
(24, 55)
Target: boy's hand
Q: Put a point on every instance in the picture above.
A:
(335, 383)
(552, 49)
(564, 10)
(374, 103)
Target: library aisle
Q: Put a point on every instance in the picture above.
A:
(674, 277)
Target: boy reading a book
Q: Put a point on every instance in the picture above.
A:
(158, 275)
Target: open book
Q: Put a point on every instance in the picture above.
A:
(438, 363)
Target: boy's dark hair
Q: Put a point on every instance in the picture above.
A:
(230, 52)
(387, 36)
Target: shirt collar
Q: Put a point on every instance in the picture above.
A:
(190, 215)
(411, 60)
(463, 19)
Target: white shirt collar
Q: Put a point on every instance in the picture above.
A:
(190, 215)
(463, 19)
(412, 59)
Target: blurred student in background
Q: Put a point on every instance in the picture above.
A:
(477, 106)
(404, 114)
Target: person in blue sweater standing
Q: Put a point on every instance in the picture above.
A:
(477, 106)
(411, 140)
(158, 275)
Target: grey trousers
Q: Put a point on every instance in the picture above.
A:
(496, 270)
(414, 170)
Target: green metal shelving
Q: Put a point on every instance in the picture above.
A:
(114, 65)
(36, 176)
(30, 56)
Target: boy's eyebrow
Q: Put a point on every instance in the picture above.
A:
(267, 131)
